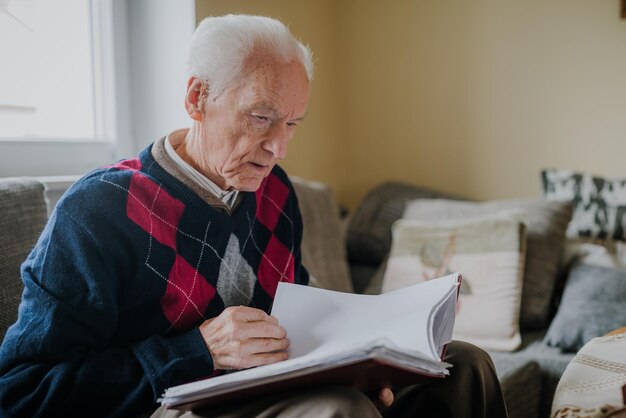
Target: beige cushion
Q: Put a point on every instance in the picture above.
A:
(488, 251)
(547, 222)
(323, 251)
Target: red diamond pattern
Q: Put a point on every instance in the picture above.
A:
(268, 213)
(158, 213)
(183, 312)
(276, 266)
(153, 209)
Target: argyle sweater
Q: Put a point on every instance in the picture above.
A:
(129, 264)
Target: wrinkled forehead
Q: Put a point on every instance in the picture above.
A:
(273, 84)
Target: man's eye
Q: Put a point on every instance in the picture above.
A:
(261, 118)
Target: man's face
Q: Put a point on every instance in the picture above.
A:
(246, 129)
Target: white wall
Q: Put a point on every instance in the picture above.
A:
(159, 32)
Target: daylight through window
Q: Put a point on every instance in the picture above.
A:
(47, 78)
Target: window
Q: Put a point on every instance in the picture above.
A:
(57, 86)
(49, 79)
(89, 81)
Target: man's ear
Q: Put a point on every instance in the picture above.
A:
(196, 92)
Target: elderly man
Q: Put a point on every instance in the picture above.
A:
(161, 269)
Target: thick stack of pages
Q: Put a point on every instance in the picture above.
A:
(366, 341)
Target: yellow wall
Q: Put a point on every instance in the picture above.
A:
(472, 98)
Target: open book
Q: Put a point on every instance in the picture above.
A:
(367, 341)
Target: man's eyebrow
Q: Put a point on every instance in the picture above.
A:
(266, 107)
(300, 119)
(263, 107)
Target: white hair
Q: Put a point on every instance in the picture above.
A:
(220, 45)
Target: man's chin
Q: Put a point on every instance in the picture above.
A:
(249, 184)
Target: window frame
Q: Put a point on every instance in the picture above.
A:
(51, 156)
(138, 45)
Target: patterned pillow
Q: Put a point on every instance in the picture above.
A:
(489, 253)
(600, 203)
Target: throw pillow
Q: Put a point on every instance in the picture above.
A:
(593, 304)
(600, 202)
(546, 225)
(489, 253)
(323, 251)
(610, 254)
(593, 300)
(376, 282)
(369, 229)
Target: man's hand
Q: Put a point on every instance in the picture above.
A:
(385, 397)
(242, 337)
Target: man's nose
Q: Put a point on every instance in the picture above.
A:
(277, 142)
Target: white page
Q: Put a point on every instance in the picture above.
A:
(317, 319)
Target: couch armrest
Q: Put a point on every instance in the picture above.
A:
(23, 215)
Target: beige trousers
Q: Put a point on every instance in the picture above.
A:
(325, 402)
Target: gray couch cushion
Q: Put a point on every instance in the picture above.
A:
(369, 230)
(551, 361)
(362, 276)
(520, 380)
(23, 215)
(323, 251)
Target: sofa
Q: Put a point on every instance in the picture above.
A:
(341, 253)
(553, 325)
(528, 376)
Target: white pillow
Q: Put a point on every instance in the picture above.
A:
(489, 252)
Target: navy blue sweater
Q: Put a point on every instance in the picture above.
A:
(129, 264)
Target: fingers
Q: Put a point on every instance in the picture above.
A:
(245, 313)
(262, 359)
(243, 323)
(242, 337)
(253, 346)
(257, 329)
(386, 397)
